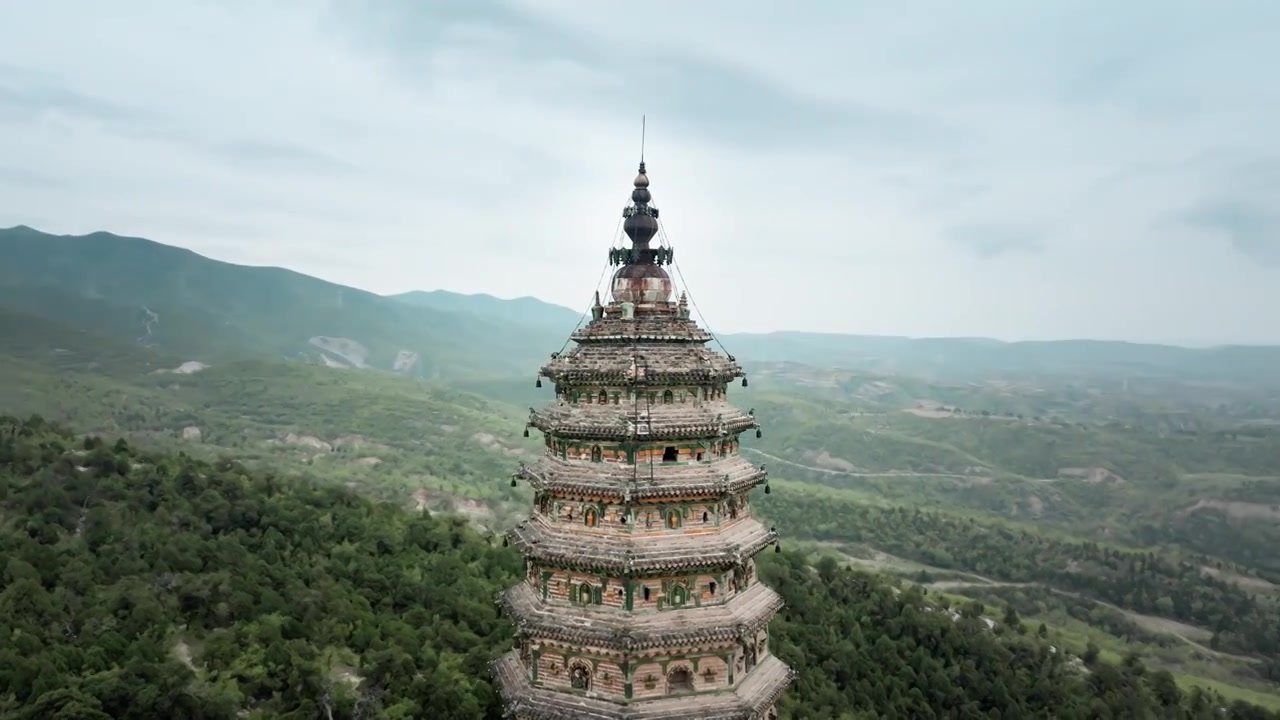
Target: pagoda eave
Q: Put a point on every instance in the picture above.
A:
(734, 620)
(653, 378)
(523, 700)
(664, 421)
(640, 555)
(639, 489)
(642, 328)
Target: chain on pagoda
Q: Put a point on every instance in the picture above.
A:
(641, 599)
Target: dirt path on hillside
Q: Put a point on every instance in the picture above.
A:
(847, 473)
(1154, 623)
(1189, 634)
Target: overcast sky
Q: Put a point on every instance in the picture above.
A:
(1012, 169)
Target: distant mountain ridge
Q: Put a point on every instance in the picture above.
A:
(528, 311)
(182, 303)
(186, 304)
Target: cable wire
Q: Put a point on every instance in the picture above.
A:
(666, 240)
(612, 241)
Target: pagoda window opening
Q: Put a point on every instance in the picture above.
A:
(589, 517)
(596, 453)
(604, 396)
(712, 587)
(673, 519)
(668, 397)
(670, 454)
(646, 593)
(680, 680)
(698, 456)
(580, 678)
(705, 516)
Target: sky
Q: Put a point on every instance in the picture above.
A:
(1008, 169)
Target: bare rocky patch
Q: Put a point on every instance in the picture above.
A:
(185, 655)
(1238, 510)
(1091, 475)
(189, 367)
(1244, 581)
(358, 442)
(491, 442)
(310, 441)
(352, 352)
(474, 510)
(826, 460)
(1035, 506)
(405, 361)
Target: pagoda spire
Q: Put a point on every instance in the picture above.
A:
(641, 281)
(641, 223)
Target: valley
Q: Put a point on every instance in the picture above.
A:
(1124, 497)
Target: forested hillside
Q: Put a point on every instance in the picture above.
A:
(143, 585)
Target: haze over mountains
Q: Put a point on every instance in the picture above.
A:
(192, 306)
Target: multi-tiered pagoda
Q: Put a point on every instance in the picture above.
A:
(641, 598)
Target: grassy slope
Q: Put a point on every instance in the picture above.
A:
(396, 435)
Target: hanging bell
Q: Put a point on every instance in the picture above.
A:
(526, 431)
(538, 383)
(506, 542)
(759, 434)
(777, 548)
(744, 381)
(767, 489)
(513, 481)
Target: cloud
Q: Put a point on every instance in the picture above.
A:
(22, 177)
(991, 240)
(1251, 231)
(894, 157)
(23, 99)
(281, 155)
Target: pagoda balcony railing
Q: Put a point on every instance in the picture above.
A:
(738, 619)
(633, 425)
(621, 482)
(629, 557)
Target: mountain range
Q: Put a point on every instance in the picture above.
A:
(190, 306)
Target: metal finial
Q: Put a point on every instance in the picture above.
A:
(642, 128)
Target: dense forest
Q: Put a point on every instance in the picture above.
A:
(138, 585)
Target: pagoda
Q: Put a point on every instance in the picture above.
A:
(640, 599)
